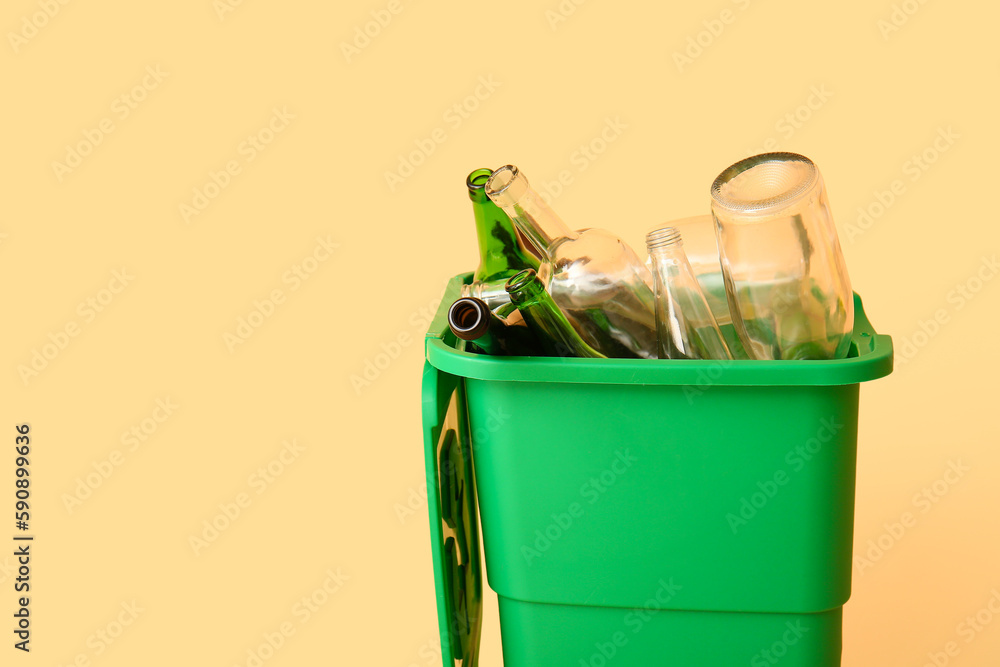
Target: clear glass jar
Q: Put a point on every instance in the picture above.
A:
(786, 279)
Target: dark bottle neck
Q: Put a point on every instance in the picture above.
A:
(472, 320)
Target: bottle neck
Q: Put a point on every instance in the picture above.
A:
(666, 252)
(500, 253)
(469, 318)
(509, 188)
(665, 242)
(525, 289)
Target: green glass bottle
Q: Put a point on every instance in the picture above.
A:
(472, 320)
(501, 251)
(554, 332)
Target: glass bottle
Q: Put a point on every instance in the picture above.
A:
(554, 333)
(501, 252)
(685, 325)
(472, 320)
(702, 251)
(597, 279)
(786, 279)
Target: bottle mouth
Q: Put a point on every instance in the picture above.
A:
(468, 318)
(476, 184)
(506, 185)
(522, 285)
(477, 179)
(520, 280)
(764, 183)
(662, 238)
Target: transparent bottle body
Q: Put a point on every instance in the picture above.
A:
(702, 251)
(686, 328)
(698, 234)
(597, 280)
(785, 274)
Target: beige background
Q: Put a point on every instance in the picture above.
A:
(839, 82)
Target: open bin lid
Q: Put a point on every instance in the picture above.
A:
(454, 517)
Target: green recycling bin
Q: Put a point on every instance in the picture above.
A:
(644, 512)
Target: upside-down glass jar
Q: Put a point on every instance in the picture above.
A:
(786, 279)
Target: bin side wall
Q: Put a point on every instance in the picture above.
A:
(541, 635)
(731, 498)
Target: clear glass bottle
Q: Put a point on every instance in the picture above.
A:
(472, 320)
(554, 333)
(685, 325)
(702, 251)
(597, 279)
(786, 279)
(501, 253)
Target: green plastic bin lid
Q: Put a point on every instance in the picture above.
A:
(454, 517)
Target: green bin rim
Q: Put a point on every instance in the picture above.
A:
(870, 357)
